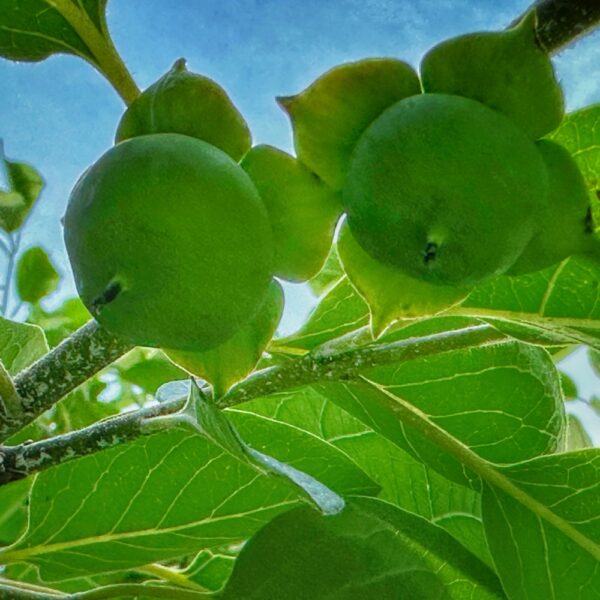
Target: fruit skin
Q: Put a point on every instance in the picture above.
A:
(190, 104)
(445, 189)
(169, 242)
(565, 226)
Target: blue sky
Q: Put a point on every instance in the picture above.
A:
(60, 115)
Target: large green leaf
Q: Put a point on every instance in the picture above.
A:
(162, 496)
(561, 299)
(370, 550)
(503, 402)
(545, 536)
(579, 133)
(13, 516)
(31, 30)
(405, 481)
(20, 345)
(36, 275)
(329, 275)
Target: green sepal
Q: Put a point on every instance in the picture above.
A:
(565, 226)
(234, 359)
(389, 293)
(506, 70)
(303, 211)
(26, 184)
(36, 275)
(189, 104)
(330, 115)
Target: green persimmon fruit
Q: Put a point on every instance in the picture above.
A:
(190, 104)
(169, 242)
(564, 226)
(445, 189)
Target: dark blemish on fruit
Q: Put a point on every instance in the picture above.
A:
(108, 295)
(588, 222)
(430, 252)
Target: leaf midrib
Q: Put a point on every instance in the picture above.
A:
(485, 469)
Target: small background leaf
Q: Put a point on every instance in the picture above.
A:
(26, 185)
(20, 345)
(36, 275)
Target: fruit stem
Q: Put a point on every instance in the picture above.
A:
(107, 59)
(73, 362)
(561, 22)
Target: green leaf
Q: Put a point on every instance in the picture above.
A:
(60, 322)
(148, 369)
(370, 550)
(31, 30)
(569, 387)
(504, 402)
(545, 536)
(190, 104)
(577, 436)
(160, 497)
(20, 345)
(36, 275)
(170, 494)
(405, 481)
(561, 298)
(329, 275)
(232, 361)
(340, 311)
(13, 516)
(390, 294)
(579, 133)
(80, 409)
(210, 569)
(246, 436)
(302, 209)
(26, 185)
(506, 70)
(331, 114)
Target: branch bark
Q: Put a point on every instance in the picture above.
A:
(20, 461)
(73, 362)
(561, 22)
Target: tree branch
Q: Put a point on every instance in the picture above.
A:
(23, 460)
(561, 22)
(73, 362)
